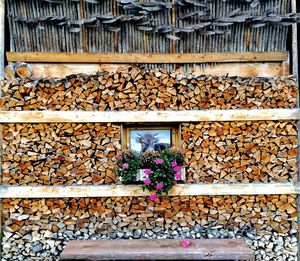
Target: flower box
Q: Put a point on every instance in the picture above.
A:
(141, 175)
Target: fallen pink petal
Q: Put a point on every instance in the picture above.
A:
(185, 243)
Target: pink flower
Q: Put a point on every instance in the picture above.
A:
(153, 197)
(124, 166)
(147, 182)
(148, 171)
(185, 243)
(178, 176)
(174, 164)
(177, 168)
(159, 186)
(119, 158)
(159, 161)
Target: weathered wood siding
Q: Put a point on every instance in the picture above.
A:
(77, 26)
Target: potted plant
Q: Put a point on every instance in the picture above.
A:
(158, 170)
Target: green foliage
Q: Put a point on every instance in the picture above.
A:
(159, 168)
(128, 163)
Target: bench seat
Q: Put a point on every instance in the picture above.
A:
(164, 249)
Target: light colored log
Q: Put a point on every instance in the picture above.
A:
(148, 116)
(136, 190)
(146, 57)
(23, 70)
(263, 69)
(9, 72)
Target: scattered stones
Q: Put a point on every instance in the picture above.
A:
(270, 238)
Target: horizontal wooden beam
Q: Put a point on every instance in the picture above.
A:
(148, 116)
(136, 190)
(41, 57)
(247, 69)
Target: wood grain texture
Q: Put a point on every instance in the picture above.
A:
(41, 57)
(262, 69)
(167, 249)
(2, 36)
(148, 116)
(87, 191)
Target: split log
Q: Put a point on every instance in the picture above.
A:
(23, 70)
(9, 72)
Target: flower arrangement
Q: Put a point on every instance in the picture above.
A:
(161, 170)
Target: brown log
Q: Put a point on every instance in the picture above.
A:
(23, 70)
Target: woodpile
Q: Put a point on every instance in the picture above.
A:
(138, 89)
(263, 151)
(215, 152)
(60, 154)
(40, 228)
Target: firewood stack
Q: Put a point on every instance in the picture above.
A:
(216, 152)
(134, 89)
(40, 228)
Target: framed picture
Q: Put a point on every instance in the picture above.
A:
(147, 138)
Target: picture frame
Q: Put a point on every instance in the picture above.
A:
(150, 137)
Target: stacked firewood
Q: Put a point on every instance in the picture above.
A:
(137, 89)
(40, 228)
(64, 153)
(56, 154)
(263, 151)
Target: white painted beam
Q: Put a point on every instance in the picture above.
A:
(136, 190)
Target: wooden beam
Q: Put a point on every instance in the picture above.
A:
(156, 249)
(258, 69)
(2, 37)
(145, 57)
(137, 191)
(296, 74)
(148, 116)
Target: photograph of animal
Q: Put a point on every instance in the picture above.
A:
(150, 140)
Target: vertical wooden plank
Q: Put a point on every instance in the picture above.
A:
(295, 73)
(2, 35)
(82, 16)
(295, 43)
(2, 55)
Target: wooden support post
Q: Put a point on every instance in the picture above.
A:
(296, 74)
(2, 36)
(2, 58)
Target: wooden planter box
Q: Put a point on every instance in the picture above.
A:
(141, 176)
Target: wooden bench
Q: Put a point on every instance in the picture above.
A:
(165, 249)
